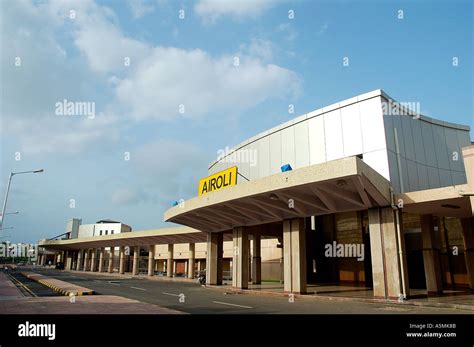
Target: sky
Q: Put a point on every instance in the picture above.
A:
(170, 83)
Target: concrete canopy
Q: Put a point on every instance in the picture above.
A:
(136, 238)
(340, 185)
(443, 202)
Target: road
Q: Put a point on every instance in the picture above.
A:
(193, 298)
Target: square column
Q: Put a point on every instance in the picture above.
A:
(468, 238)
(215, 250)
(170, 262)
(80, 255)
(240, 258)
(256, 259)
(431, 259)
(101, 259)
(386, 272)
(191, 260)
(136, 254)
(111, 260)
(93, 257)
(294, 256)
(86, 260)
(121, 260)
(151, 260)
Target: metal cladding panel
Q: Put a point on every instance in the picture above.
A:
(454, 151)
(389, 134)
(275, 152)
(333, 132)
(428, 143)
(288, 146)
(393, 168)
(440, 147)
(263, 156)
(405, 187)
(433, 177)
(378, 160)
(399, 136)
(407, 124)
(423, 182)
(301, 145)
(458, 177)
(373, 131)
(445, 178)
(418, 142)
(413, 183)
(351, 130)
(317, 142)
(252, 158)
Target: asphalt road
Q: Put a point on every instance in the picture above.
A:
(193, 298)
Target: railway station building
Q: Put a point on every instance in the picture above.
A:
(366, 191)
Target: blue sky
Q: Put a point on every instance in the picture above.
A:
(189, 62)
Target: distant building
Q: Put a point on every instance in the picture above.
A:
(75, 229)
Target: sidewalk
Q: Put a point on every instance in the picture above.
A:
(12, 301)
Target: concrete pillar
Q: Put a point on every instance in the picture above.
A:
(86, 260)
(101, 259)
(294, 256)
(174, 268)
(199, 267)
(169, 262)
(192, 248)
(110, 268)
(240, 258)
(256, 259)
(431, 258)
(468, 238)
(136, 255)
(151, 260)
(121, 260)
(93, 259)
(80, 255)
(386, 272)
(215, 250)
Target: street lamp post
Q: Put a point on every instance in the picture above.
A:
(8, 190)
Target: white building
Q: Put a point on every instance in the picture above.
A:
(75, 229)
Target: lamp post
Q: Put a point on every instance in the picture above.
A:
(8, 190)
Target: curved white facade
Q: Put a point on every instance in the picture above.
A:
(414, 153)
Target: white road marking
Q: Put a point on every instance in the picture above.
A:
(170, 294)
(226, 303)
(138, 288)
(115, 284)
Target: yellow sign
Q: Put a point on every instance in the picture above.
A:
(220, 180)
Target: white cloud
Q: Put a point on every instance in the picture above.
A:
(211, 10)
(158, 80)
(140, 8)
(205, 85)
